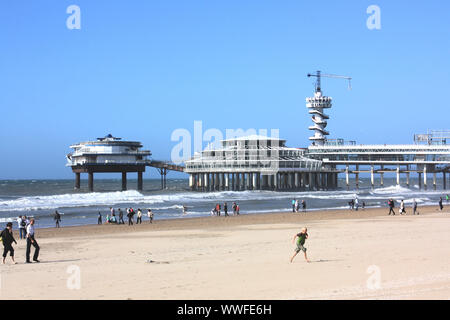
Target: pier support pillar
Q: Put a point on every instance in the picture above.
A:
(255, 182)
(434, 180)
(124, 181)
(221, 182)
(310, 181)
(191, 185)
(139, 181)
(357, 177)
(398, 175)
(420, 180)
(78, 180)
(382, 176)
(425, 177)
(227, 182)
(444, 182)
(407, 176)
(347, 178)
(204, 181)
(372, 181)
(91, 181)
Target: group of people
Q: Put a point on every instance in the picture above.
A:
(402, 209)
(26, 231)
(296, 205)
(112, 218)
(216, 211)
(354, 204)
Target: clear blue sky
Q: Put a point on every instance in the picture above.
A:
(141, 69)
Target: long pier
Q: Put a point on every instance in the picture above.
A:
(422, 160)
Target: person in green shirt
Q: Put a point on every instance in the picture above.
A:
(301, 238)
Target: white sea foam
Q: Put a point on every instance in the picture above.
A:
(175, 200)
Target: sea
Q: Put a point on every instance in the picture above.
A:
(40, 199)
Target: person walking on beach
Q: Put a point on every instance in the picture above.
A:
(7, 239)
(99, 218)
(150, 215)
(218, 209)
(237, 209)
(402, 207)
(301, 238)
(57, 218)
(139, 217)
(446, 198)
(304, 206)
(184, 209)
(441, 207)
(21, 226)
(363, 205)
(293, 205)
(356, 204)
(225, 209)
(234, 208)
(351, 204)
(31, 241)
(391, 207)
(121, 217)
(130, 216)
(297, 205)
(415, 207)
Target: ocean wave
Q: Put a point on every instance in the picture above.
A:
(175, 200)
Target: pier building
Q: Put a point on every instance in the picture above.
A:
(108, 154)
(255, 163)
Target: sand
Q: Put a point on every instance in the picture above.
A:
(354, 255)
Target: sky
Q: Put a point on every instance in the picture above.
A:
(142, 69)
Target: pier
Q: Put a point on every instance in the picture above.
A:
(429, 155)
(108, 154)
(427, 162)
(111, 154)
(257, 163)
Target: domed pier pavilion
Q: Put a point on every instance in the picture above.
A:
(108, 154)
(257, 162)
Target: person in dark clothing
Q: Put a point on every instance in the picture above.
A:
(391, 207)
(121, 217)
(99, 219)
(130, 217)
(234, 208)
(304, 206)
(8, 239)
(225, 209)
(441, 207)
(31, 241)
(57, 218)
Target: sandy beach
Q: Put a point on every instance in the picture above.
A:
(354, 255)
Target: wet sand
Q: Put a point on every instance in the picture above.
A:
(361, 254)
